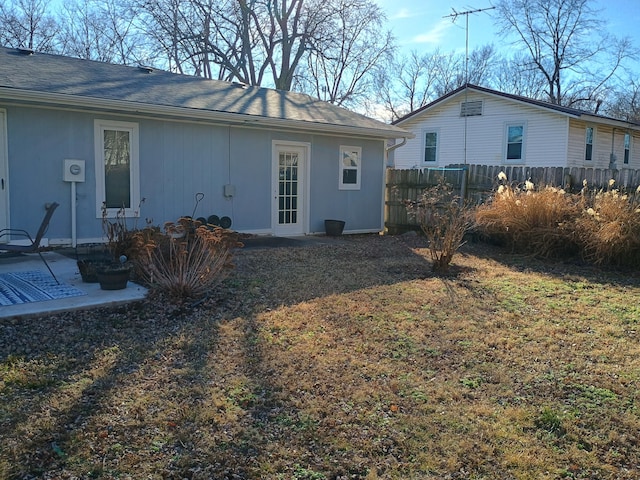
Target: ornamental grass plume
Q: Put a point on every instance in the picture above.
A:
(608, 231)
(528, 219)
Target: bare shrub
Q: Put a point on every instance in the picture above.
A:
(608, 229)
(444, 220)
(187, 260)
(536, 221)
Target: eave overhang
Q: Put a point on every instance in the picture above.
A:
(75, 102)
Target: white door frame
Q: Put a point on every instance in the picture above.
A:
(301, 227)
(4, 173)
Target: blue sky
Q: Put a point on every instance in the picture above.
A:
(419, 24)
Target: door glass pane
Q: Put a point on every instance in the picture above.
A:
(117, 168)
(288, 187)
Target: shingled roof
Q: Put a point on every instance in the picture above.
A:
(572, 112)
(40, 78)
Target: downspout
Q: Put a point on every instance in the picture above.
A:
(612, 157)
(393, 147)
(384, 183)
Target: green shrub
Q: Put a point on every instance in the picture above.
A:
(187, 260)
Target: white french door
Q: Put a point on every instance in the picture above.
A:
(288, 207)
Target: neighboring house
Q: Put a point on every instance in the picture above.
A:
(276, 163)
(477, 125)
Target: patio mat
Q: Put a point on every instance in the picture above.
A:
(33, 286)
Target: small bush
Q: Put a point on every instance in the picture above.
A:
(187, 260)
(444, 220)
(536, 221)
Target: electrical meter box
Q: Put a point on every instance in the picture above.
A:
(73, 171)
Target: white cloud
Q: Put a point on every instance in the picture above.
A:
(435, 35)
(402, 14)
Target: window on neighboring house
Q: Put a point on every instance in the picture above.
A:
(350, 163)
(515, 141)
(430, 146)
(471, 108)
(588, 153)
(627, 147)
(117, 167)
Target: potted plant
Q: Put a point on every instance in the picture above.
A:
(114, 274)
(89, 258)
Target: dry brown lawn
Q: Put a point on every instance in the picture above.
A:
(345, 360)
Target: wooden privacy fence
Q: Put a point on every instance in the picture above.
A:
(476, 183)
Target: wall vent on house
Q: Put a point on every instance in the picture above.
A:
(471, 109)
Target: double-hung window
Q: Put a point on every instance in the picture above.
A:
(350, 164)
(515, 142)
(627, 147)
(588, 137)
(430, 146)
(117, 167)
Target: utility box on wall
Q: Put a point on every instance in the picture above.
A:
(73, 171)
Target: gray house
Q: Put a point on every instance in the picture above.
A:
(82, 133)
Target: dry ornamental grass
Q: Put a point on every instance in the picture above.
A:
(339, 360)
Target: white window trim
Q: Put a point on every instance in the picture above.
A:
(624, 149)
(133, 129)
(424, 145)
(593, 144)
(349, 186)
(523, 152)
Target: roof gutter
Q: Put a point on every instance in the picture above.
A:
(67, 102)
(398, 145)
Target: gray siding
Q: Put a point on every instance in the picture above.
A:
(177, 160)
(360, 209)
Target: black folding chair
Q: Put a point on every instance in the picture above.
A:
(34, 247)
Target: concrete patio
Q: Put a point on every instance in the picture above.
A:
(66, 271)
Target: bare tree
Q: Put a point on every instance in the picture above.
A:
(352, 45)
(418, 79)
(27, 24)
(98, 30)
(251, 41)
(516, 75)
(567, 43)
(625, 102)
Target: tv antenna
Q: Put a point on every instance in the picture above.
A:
(454, 16)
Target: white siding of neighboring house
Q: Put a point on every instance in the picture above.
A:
(606, 141)
(545, 142)
(577, 145)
